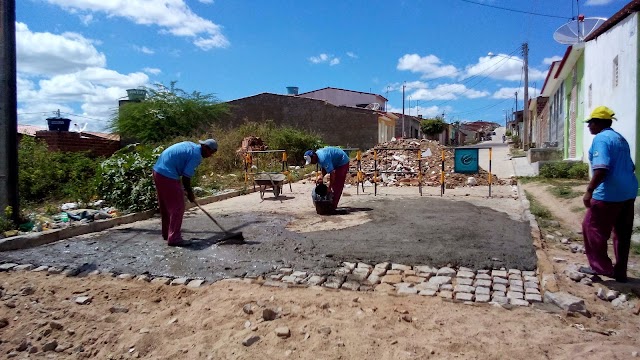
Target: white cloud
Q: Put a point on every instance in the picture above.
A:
(551, 60)
(206, 1)
(352, 55)
(429, 66)
(144, 50)
(152, 71)
(447, 92)
(502, 67)
(67, 72)
(172, 16)
(325, 58)
(86, 19)
(597, 2)
(509, 93)
(48, 54)
(426, 112)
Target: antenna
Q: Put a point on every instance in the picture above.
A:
(575, 31)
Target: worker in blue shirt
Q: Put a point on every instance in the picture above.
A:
(609, 198)
(333, 161)
(177, 164)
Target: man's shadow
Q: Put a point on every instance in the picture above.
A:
(346, 210)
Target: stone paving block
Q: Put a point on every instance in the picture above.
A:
(342, 271)
(384, 266)
(518, 302)
(409, 272)
(464, 281)
(394, 272)
(515, 272)
(445, 294)
(482, 298)
(513, 277)
(54, 270)
(528, 273)
(359, 274)
(565, 301)
(385, 288)
(24, 267)
(516, 289)
(446, 287)
(483, 276)
(500, 287)
(414, 279)
(466, 274)
(428, 292)
(427, 286)
(41, 268)
(485, 283)
(302, 274)
(499, 280)
(533, 297)
(482, 291)
(517, 283)
(446, 271)
(276, 277)
(464, 296)
(515, 295)
(125, 276)
(425, 270)
(7, 266)
(463, 268)
(195, 283)
(530, 285)
(349, 265)
(499, 294)
(464, 289)
(179, 281)
(500, 299)
(531, 279)
(499, 273)
(334, 282)
(143, 277)
(161, 280)
(286, 271)
(364, 266)
(391, 279)
(406, 289)
(379, 271)
(373, 279)
(440, 280)
(531, 291)
(315, 280)
(484, 272)
(401, 267)
(290, 279)
(350, 285)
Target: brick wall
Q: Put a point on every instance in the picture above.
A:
(75, 142)
(337, 125)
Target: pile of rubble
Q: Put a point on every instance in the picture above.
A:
(405, 167)
(251, 143)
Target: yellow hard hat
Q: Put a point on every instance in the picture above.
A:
(601, 112)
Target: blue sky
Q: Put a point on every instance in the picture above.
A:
(79, 56)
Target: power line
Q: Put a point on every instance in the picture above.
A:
(517, 11)
(85, 117)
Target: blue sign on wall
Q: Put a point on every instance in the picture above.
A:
(466, 161)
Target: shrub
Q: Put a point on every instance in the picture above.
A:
(579, 171)
(44, 174)
(564, 170)
(126, 178)
(507, 133)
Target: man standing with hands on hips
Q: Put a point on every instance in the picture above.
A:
(177, 164)
(334, 161)
(609, 198)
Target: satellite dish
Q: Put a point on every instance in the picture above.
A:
(575, 31)
(373, 106)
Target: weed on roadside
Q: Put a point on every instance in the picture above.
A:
(536, 208)
(576, 209)
(564, 192)
(635, 248)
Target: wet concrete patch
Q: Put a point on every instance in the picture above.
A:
(430, 231)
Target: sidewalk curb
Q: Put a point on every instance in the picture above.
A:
(545, 266)
(36, 239)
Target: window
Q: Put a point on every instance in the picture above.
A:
(615, 71)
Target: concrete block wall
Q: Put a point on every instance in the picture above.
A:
(75, 142)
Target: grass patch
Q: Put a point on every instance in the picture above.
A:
(517, 153)
(576, 209)
(635, 248)
(564, 192)
(537, 209)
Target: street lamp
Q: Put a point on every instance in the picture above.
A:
(525, 111)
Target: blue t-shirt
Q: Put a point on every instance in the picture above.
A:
(178, 160)
(610, 151)
(331, 158)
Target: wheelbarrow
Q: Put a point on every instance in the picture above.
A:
(266, 181)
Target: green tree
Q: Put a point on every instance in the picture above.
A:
(432, 127)
(166, 113)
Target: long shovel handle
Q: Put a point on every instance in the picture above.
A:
(211, 217)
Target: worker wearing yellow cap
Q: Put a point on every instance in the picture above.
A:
(609, 198)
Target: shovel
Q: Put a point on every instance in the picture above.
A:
(229, 237)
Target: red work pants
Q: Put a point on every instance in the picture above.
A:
(338, 177)
(171, 203)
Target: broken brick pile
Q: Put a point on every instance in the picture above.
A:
(405, 165)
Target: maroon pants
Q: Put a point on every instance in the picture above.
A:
(171, 203)
(600, 220)
(337, 182)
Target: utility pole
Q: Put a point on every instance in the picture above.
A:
(8, 111)
(386, 105)
(516, 129)
(403, 85)
(525, 110)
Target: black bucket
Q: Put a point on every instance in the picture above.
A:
(323, 200)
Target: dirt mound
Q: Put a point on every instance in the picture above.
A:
(398, 165)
